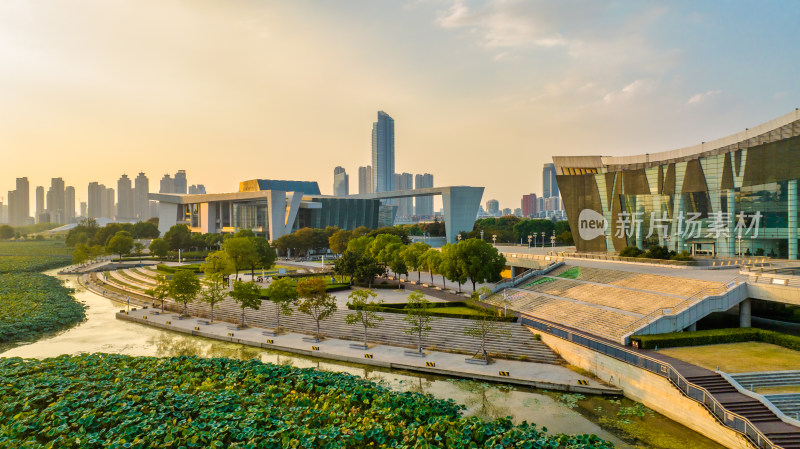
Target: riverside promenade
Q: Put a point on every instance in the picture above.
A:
(538, 375)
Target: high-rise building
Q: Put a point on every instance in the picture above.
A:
(341, 182)
(141, 190)
(424, 204)
(84, 209)
(493, 208)
(69, 204)
(180, 183)
(383, 153)
(125, 200)
(518, 212)
(365, 179)
(530, 205)
(506, 211)
(39, 202)
(56, 201)
(96, 199)
(198, 189)
(404, 181)
(3, 212)
(549, 185)
(19, 203)
(167, 184)
(109, 206)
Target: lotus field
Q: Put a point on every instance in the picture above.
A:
(33, 303)
(115, 401)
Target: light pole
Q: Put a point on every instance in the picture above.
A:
(459, 237)
(739, 238)
(542, 239)
(481, 234)
(530, 237)
(553, 241)
(494, 239)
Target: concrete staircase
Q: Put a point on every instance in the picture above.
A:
(753, 381)
(788, 403)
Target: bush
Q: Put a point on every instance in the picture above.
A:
(195, 268)
(401, 308)
(630, 251)
(683, 255)
(717, 336)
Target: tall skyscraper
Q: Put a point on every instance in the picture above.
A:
(109, 205)
(39, 202)
(493, 207)
(180, 183)
(404, 181)
(383, 153)
(96, 199)
(341, 182)
(198, 189)
(19, 203)
(125, 200)
(530, 205)
(56, 201)
(365, 179)
(167, 184)
(424, 204)
(141, 189)
(549, 186)
(69, 204)
(84, 209)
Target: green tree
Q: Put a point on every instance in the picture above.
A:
(242, 252)
(80, 254)
(178, 237)
(347, 265)
(286, 243)
(6, 232)
(161, 290)
(383, 247)
(367, 268)
(566, 238)
(138, 250)
(451, 267)
(121, 244)
(365, 310)
(485, 324)
(282, 292)
(145, 230)
(398, 266)
(218, 262)
(265, 255)
(338, 241)
(159, 248)
(418, 316)
(430, 260)
(359, 244)
(247, 294)
(412, 256)
(315, 300)
(213, 292)
(480, 261)
(528, 226)
(184, 288)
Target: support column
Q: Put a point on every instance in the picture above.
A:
(744, 313)
(461, 206)
(792, 219)
(513, 272)
(692, 327)
(731, 196)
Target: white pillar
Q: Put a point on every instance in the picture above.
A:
(744, 313)
(792, 219)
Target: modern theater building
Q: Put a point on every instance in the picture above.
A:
(734, 196)
(273, 208)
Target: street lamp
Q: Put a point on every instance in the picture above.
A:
(530, 237)
(553, 241)
(494, 239)
(459, 237)
(481, 234)
(739, 238)
(542, 239)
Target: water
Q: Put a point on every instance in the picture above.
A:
(619, 420)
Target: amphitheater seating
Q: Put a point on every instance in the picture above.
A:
(650, 282)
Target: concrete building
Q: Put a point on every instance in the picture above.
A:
(365, 179)
(341, 182)
(274, 208)
(731, 196)
(405, 206)
(56, 201)
(518, 212)
(530, 205)
(493, 208)
(125, 199)
(549, 181)
(96, 198)
(19, 206)
(141, 190)
(167, 184)
(84, 209)
(180, 184)
(424, 204)
(109, 205)
(506, 211)
(383, 153)
(197, 189)
(69, 205)
(40, 204)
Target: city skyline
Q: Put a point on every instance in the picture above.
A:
(503, 84)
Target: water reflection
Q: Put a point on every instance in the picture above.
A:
(614, 419)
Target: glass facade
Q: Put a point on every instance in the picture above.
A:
(737, 200)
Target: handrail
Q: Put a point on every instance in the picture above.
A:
(663, 369)
(683, 305)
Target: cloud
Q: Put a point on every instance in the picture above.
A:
(703, 96)
(636, 88)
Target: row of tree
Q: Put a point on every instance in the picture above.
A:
(513, 229)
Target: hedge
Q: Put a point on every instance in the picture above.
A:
(173, 269)
(400, 308)
(329, 288)
(717, 336)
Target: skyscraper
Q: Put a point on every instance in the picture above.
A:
(141, 188)
(341, 182)
(39, 202)
(404, 181)
(167, 184)
(365, 179)
(109, 206)
(549, 186)
(180, 183)
(198, 189)
(56, 201)
(125, 200)
(69, 204)
(530, 206)
(493, 207)
(19, 203)
(383, 153)
(96, 198)
(424, 206)
(84, 209)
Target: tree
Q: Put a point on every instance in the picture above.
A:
(214, 291)
(365, 310)
(398, 266)
(121, 244)
(480, 261)
(450, 266)
(184, 288)
(138, 250)
(159, 248)
(242, 252)
(247, 294)
(178, 237)
(347, 265)
(431, 260)
(412, 257)
(145, 230)
(6, 232)
(80, 254)
(218, 262)
(161, 290)
(359, 244)
(418, 316)
(265, 255)
(528, 227)
(282, 292)
(382, 248)
(339, 240)
(566, 238)
(286, 243)
(485, 324)
(367, 268)
(315, 300)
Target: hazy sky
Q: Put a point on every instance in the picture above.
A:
(482, 93)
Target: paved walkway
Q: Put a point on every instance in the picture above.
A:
(539, 375)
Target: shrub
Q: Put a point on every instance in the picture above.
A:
(630, 251)
(401, 308)
(717, 336)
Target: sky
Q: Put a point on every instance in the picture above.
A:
(482, 92)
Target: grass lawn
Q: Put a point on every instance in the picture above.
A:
(738, 357)
(778, 390)
(455, 310)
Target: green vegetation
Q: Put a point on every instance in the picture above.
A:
(450, 309)
(99, 400)
(511, 229)
(655, 252)
(738, 357)
(541, 281)
(717, 336)
(418, 316)
(315, 300)
(572, 273)
(365, 304)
